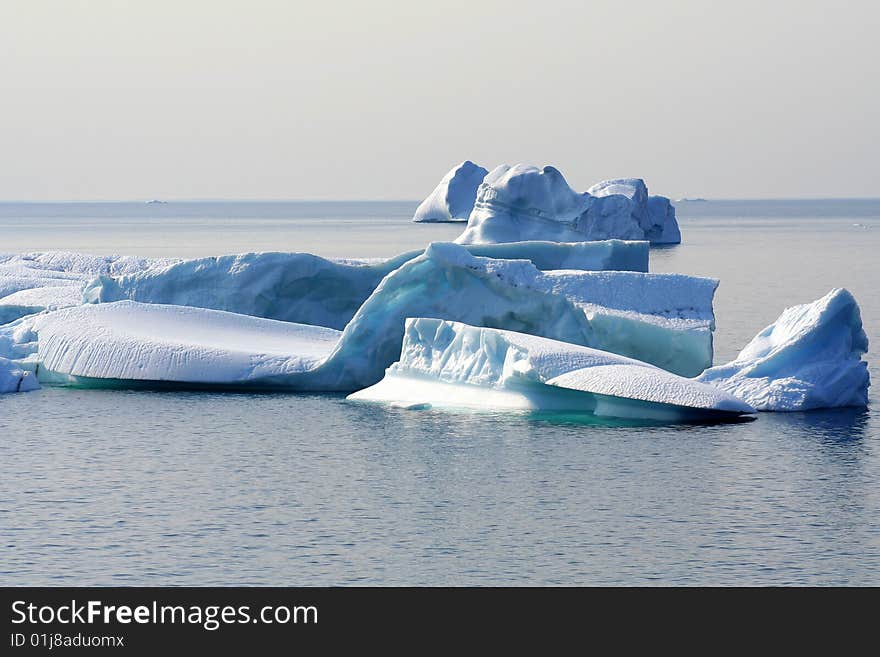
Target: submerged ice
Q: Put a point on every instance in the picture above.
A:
(811, 357)
(450, 364)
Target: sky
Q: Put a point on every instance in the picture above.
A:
(191, 99)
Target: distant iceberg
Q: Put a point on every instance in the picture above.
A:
(665, 319)
(811, 357)
(523, 202)
(453, 198)
(450, 364)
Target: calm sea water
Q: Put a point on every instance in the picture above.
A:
(119, 487)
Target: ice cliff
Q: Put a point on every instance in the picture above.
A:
(453, 198)
(450, 364)
(300, 287)
(811, 357)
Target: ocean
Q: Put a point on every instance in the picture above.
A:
(109, 487)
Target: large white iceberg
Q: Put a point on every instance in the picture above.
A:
(811, 357)
(450, 364)
(453, 198)
(523, 202)
(304, 288)
(665, 319)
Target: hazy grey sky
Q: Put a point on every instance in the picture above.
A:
(106, 99)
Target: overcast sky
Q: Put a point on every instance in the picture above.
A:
(103, 99)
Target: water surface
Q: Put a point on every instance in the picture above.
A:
(141, 487)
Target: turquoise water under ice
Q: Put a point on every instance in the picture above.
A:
(141, 487)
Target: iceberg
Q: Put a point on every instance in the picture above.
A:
(810, 357)
(15, 379)
(523, 202)
(453, 198)
(307, 289)
(665, 319)
(451, 364)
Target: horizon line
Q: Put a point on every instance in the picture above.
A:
(163, 201)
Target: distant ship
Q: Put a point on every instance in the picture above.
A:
(156, 201)
(685, 199)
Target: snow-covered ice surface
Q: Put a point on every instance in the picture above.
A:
(665, 319)
(128, 341)
(453, 198)
(300, 287)
(811, 357)
(32, 282)
(523, 202)
(36, 299)
(450, 364)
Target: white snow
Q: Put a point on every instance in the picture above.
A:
(32, 282)
(36, 299)
(523, 202)
(304, 288)
(159, 343)
(451, 364)
(811, 357)
(453, 198)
